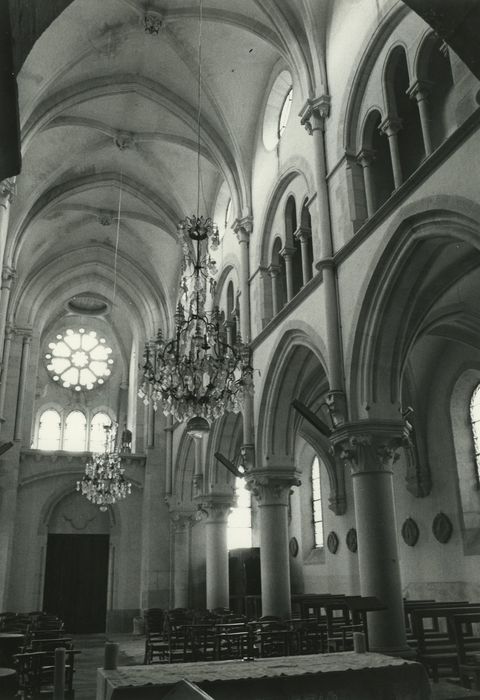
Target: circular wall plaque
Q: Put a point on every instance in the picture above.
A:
(410, 532)
(442, 528)
(293, 546)
(332, 542)
(351, 539)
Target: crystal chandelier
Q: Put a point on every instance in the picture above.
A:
(197, 372)
(103, 482)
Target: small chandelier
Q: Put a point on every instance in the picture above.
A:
(103, 482)
(197, 372)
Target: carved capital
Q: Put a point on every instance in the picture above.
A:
(272, 486)
(243, 228)
(366, 157)
(182, 520)
(314, 113)
(217, 507)
(7, 190)
(302, 234)
(8, 276)
(287, 251)
(273, 270)
(419, 90)
(390, 126)
(369, 447)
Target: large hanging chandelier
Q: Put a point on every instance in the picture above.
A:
(104, 482)
(197, 372)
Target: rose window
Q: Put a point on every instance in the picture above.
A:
(79, 359)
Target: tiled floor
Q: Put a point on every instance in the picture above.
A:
(131, 653)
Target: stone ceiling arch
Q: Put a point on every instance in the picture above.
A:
(402, 293)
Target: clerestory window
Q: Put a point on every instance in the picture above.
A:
(475, 424)
(317, 504)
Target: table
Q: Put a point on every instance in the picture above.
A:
(345, 676)
(10, 643)
(8, 683)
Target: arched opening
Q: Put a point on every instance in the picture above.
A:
(377, 169)
(49, 431)
(436, 73)
(239, 531)
(278, 275)
(307, 243)
(75, 434)
(400, 105)
(475, 426)
(77, 562)
(293, 245)
(317, 512)
(231, 315)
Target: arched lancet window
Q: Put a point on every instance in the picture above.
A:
(284, 113)
(475, 423)
(49, 431)
(74, 437)
(239, 531)
(97, 432)
(294, 245)
(376, 163)
(228, 212)
(317, 504)
(306, 232)
(400, 105)
(231, 309)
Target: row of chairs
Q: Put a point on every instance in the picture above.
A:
(446, 638)
(41, 634)
(181, 635)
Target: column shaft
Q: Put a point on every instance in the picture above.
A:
(274, 560)
(22, 385)
(273, 276)
(5, 363)
(288, 257)
(306, 267)
(217, 557)
(181, 565)
(425, 122)
(378, 558)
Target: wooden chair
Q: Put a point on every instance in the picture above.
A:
(36, 673)
(155, 645)
(466, 630)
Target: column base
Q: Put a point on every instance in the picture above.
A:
(402, 652)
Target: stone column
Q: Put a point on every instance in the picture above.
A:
(288, 252)
(243, 229)
(313, 117)
(271, 487)
(9, 333)
(273, 271)
(182, 524)
(22, 385)
(303, 235)
(419, 91)
(229, 332)
(8, 276)
(365, 158)
(370, 449)
(390, 127)
(217, 507)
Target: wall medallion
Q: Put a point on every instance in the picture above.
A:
(410, 532)
(293, 546)
(442, 528)
(351, 540)
(332, 542)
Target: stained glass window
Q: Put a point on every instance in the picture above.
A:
(75, 433)
(285, 112)
(79, 359)
(475, 422)
(97, 432)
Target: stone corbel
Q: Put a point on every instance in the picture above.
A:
(314, 113)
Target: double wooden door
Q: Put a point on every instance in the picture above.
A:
(76, 580)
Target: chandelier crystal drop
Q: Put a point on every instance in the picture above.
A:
(104, 482)
(197, 372)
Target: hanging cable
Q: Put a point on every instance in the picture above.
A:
(117, 238)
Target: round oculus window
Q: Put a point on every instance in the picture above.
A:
(79, 359)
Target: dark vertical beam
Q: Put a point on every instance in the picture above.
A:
(457, 22)
(10, 159)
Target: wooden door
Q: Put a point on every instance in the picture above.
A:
(76, 579)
